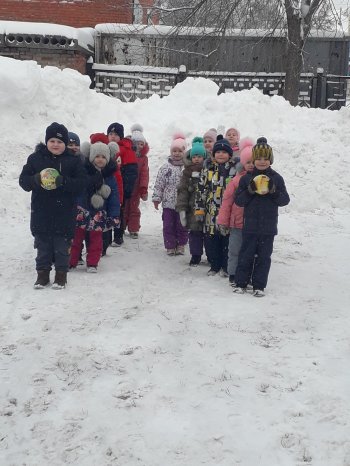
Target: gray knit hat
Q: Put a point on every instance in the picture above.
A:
(99, 148)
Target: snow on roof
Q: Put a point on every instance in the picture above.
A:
(129, 29)
(83, 36)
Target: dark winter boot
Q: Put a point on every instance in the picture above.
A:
(195, 260)
(42, 280)
(60, 280)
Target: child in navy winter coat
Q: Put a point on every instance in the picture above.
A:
(260, 193)
(98, 206)
(55, 176)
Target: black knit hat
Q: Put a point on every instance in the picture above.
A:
(262, 150)
(57, 131)
(116, 128)
(222, 144)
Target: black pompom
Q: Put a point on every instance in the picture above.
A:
(219, 137)
(261, 140)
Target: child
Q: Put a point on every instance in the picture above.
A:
(55, 178)
(212, 184)
(260, 219)
(165, 190)
(132, 213)
(233, 135)
(107, 236)
(230, 217)
(186, 198)
(209, 140)
(98, 206)
(115, 133)
(74, 145)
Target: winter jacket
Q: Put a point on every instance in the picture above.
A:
(210, 190)
(186, 195)
(53, 212)
(128, 166)
(100, 219)
(230, 215)
(165, 187)
(261, 212)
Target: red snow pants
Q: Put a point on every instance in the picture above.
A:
(93, 249)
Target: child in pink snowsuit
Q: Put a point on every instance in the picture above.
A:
(132, 213)
(230, 217)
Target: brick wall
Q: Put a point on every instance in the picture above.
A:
(75, 13)
(60, 58)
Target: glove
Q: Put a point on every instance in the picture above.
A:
(156, 204)
(37, 179)
(97, 180)
(59, 181)
(272, 186)
(144, 197)
(116, 221)
(252, 186)
(224, 231)
(183, 218)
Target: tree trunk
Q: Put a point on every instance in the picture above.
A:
(295, 44)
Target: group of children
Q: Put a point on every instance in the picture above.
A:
(89, 193)
(221, 196)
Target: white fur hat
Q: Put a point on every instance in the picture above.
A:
(137, 133)
(99, 148)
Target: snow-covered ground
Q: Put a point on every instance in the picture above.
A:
(151, 362)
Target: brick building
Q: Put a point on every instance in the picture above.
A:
(76, 13)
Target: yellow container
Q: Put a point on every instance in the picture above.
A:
(262, 184)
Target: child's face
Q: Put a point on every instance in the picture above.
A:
(100, 161)
(249, 165)
(56, 146)
(177, 154)
(140, 145)
(232, 137)
(73, 147)
(197, 159)
(209, 144)
(262, 164)
(113, 137)
(221, 156)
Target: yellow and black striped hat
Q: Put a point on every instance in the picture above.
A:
(262, 150)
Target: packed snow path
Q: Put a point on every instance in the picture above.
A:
(151, 362)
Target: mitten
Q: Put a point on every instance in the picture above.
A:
(59, 181)
(144, 197)
(183, 218)
(97, 201)
(97, 180)
(223, 230)
(156, 204)
(104, 191)
(272, 186)
(252, 186)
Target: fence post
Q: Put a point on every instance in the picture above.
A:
(90, 72)
(182, 75)
(320, 97)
